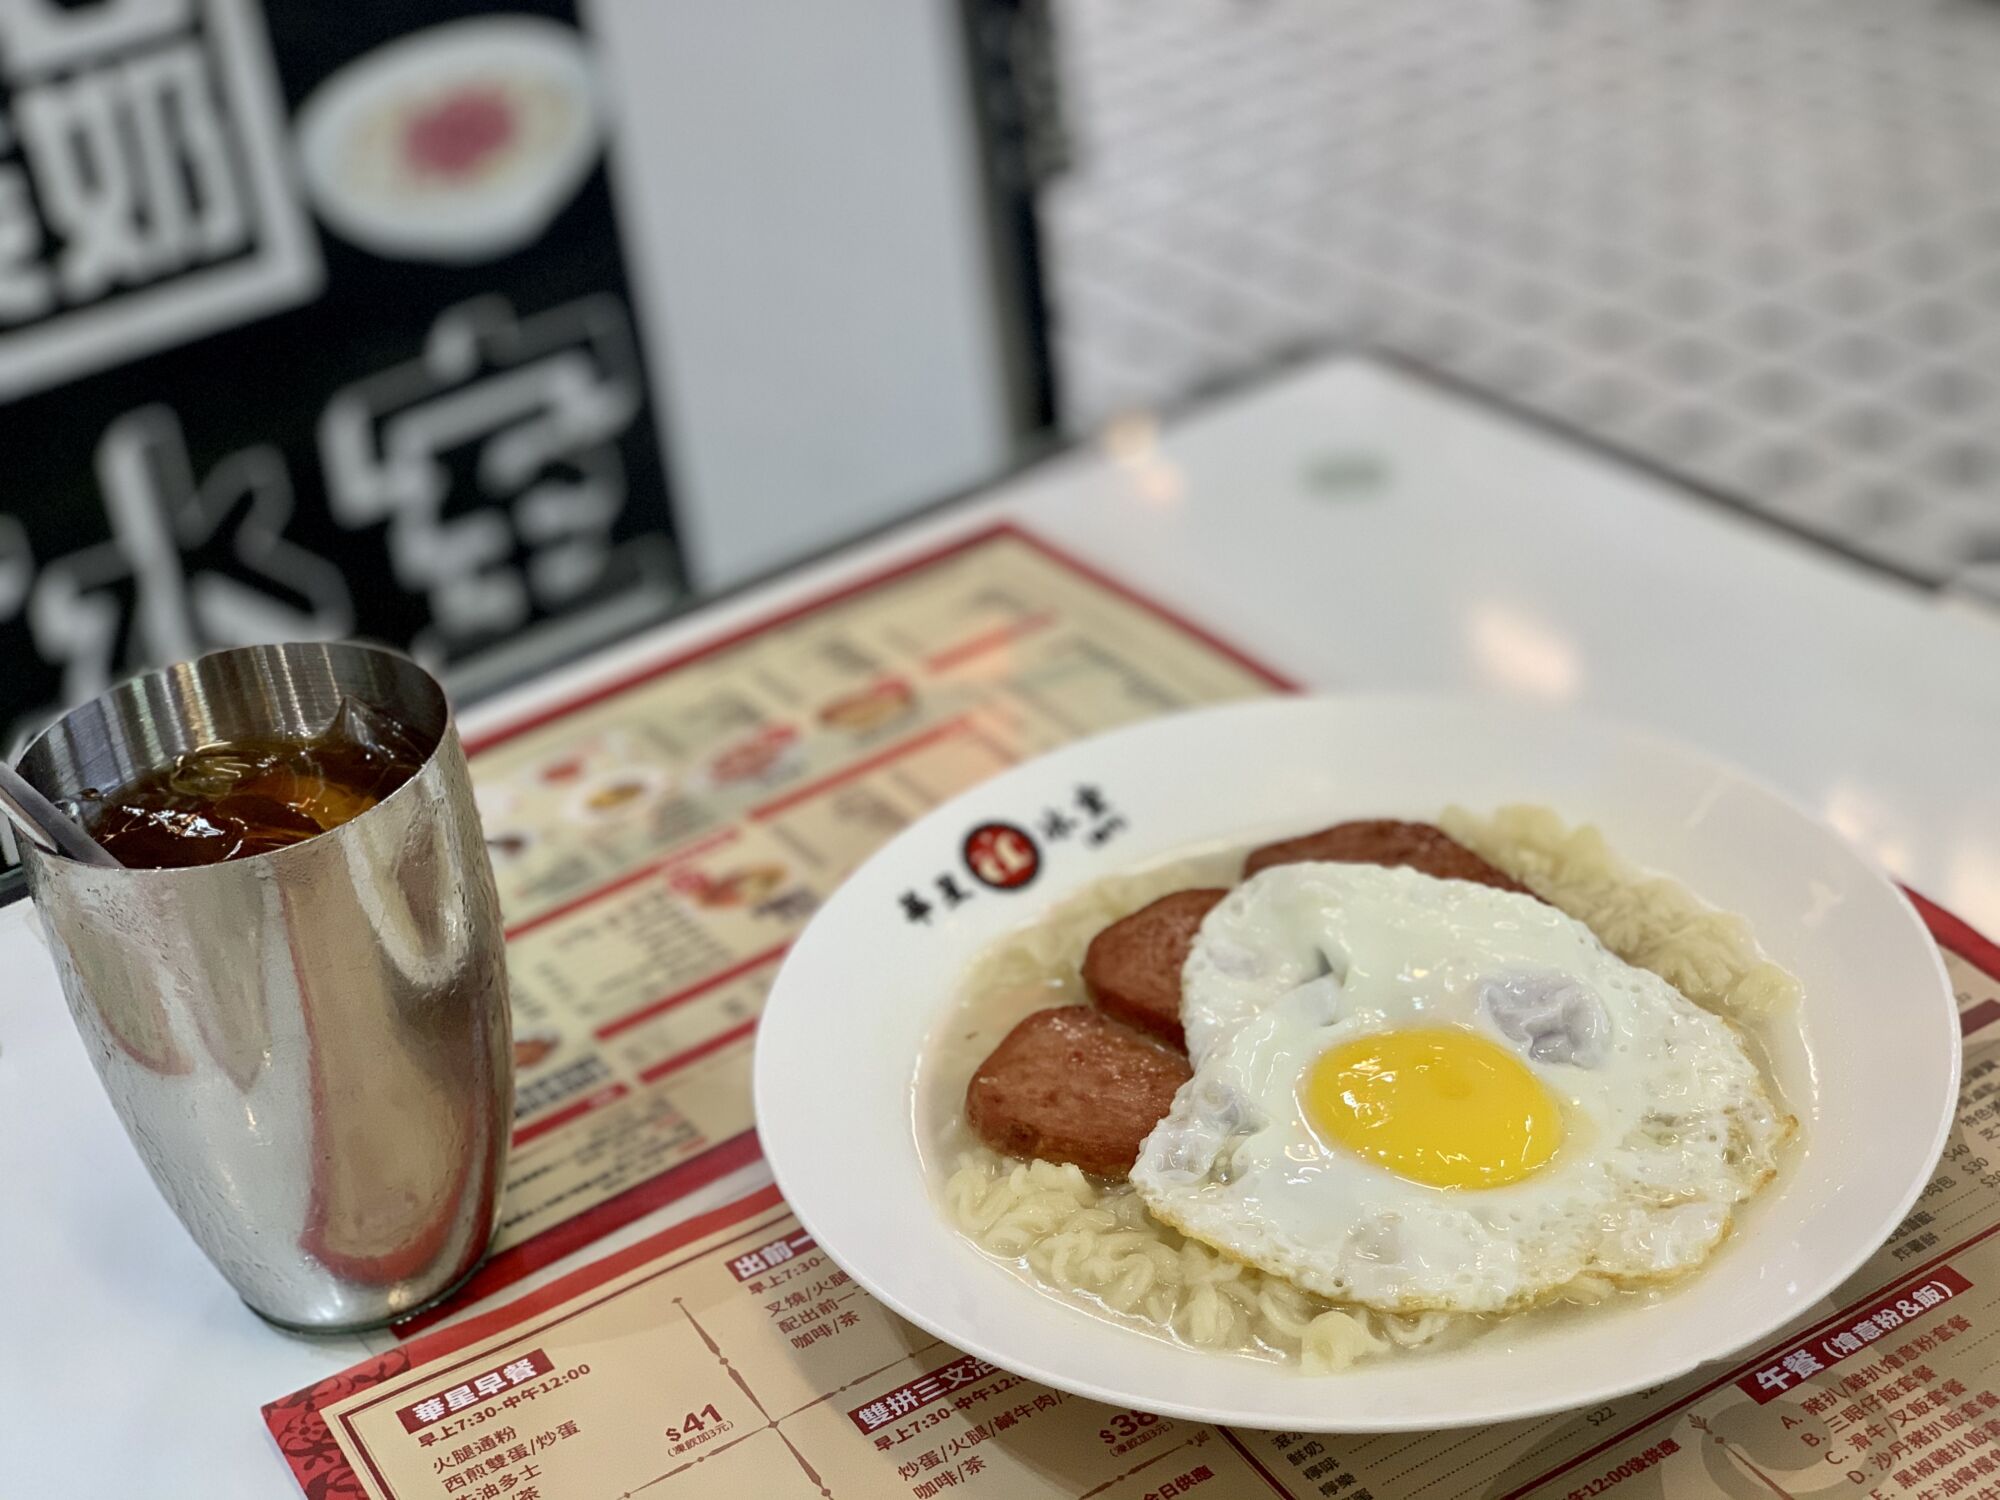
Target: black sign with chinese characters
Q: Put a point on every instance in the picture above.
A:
(313, 322)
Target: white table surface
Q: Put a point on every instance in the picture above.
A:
(1349, 525)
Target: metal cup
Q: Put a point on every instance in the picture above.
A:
(311, 1048)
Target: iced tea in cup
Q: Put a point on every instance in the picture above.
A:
(294, 986)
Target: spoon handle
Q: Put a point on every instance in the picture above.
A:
(42, 821)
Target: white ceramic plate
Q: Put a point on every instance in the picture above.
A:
(1871, 1070)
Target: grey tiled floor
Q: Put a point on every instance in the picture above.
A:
(1758, 243)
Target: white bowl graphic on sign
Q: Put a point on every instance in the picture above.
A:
(459, 143)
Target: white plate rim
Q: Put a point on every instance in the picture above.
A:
(803, 1193)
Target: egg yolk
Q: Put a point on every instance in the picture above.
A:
(1440, 1106)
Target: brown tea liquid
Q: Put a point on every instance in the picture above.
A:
(253, 796)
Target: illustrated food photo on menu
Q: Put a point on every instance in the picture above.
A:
(1377, 1089)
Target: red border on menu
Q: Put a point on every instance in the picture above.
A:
(307, 1444)
(552, 1244)
(322, 1470)
(842, 592)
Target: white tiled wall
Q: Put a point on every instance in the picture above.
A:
(1758, 242)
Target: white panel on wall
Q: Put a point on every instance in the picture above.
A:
(803, 213)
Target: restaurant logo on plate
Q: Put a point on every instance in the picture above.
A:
(1007, 856)
(1002, 856)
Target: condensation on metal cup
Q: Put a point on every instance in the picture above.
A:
(311, 1048)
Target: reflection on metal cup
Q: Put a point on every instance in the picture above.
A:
(311, 1047)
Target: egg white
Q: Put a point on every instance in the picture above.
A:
(1667, 1122)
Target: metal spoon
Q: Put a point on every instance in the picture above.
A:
(42, 821)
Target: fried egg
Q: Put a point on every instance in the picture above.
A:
(1420, 1094)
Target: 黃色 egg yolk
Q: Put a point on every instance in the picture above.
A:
(1440, 1106)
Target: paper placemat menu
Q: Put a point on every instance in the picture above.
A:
(658, 844)
(730, 1356)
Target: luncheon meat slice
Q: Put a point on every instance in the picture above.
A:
(1073, 1085)
(1384, 841)
(1133, 967)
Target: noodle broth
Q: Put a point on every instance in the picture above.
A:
(1091, 1242)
